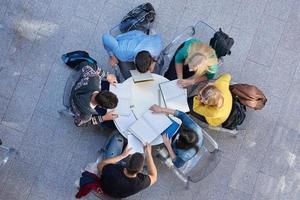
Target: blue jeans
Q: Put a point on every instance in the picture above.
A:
(114, 145)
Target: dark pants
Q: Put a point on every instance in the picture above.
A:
(171, 72)
(125, 68)
(102, 111)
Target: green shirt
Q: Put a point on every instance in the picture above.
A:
(182, 54)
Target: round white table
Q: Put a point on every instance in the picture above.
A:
(144, 95)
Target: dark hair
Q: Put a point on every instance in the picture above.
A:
(106, 99)
(135, 163)
(188, 139)
(143, 61)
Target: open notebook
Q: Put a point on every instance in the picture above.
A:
(124, 122)
(124, 94)
(141, 77)
(149, 126)
(174, 96)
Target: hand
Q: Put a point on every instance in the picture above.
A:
(148, 149)
(185, 82)
(113, 61)
(126, 152)
(167, 140)
(112, 79)
(110, 116)
(156, 108)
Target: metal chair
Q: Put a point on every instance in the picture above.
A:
(200, 30)
(72, 79)
(197, 168)
(6, 154)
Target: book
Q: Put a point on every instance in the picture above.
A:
(174, 96)
(141, 77)
(124, 94)
(149, 126)
(124, 122)
(172, 129)
(135, 144)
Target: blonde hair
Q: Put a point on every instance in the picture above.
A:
(212, 96)
(200, 56)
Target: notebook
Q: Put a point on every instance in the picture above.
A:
(124, 122)
(174, 96)
(124, 94)
(149, 126)
(172, 129)
(141, 77)
(135, 144)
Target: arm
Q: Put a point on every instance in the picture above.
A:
(110, 43)
(152, 171)
(112, 160)
(158, 109)
(179, 69)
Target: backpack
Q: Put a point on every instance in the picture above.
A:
(221, 43)
(237, 115)
(249, 95)
(140, 18)
(74, 58)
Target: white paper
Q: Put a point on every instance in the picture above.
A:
(174, 96)
(134, 143)
(124, 122)
(124, 94)
(138, 77)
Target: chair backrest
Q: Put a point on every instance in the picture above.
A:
(72, 79)
(6, 154)
(200, 30)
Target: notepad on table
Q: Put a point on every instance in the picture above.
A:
(149, 126)
(124, 94)
(141, 77)
(135, 144)
(172, 129)
(174, 96)
(124, 122)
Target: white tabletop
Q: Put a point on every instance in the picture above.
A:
(144, 95)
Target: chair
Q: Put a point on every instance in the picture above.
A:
(199, 30)
(6, 154)
(197, 168)
(73, 77)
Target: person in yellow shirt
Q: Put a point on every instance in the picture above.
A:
(214, 101)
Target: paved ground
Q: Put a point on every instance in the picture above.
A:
(261, 163)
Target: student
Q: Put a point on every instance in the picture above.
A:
(214, 101)
(88, 102)
(120, 181)
(189, 141)
(131, 50)
(193, 62)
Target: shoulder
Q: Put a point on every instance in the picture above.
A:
(224, 77)
(144, 179)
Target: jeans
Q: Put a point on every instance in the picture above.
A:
(114, 145)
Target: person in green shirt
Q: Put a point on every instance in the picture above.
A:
(193, 62)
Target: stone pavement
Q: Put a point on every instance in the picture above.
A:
(263, 162)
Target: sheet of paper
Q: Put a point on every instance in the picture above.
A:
(171, 89)
(158, 121)
(123, 107)
(121, 90)
(138, 77)
(178, 103)
(134, 143)
(124, 122)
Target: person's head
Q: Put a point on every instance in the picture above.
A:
(187, 138)
(135, 163)
(210, 95)
(200, 58)
(143, 60)
(106, 99)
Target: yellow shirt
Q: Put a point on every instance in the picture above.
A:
(216, 116)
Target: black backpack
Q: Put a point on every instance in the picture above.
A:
(140, 18)
(74, 58)
(221, 43)
(237, 115)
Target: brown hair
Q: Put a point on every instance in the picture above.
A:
(106, 99)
